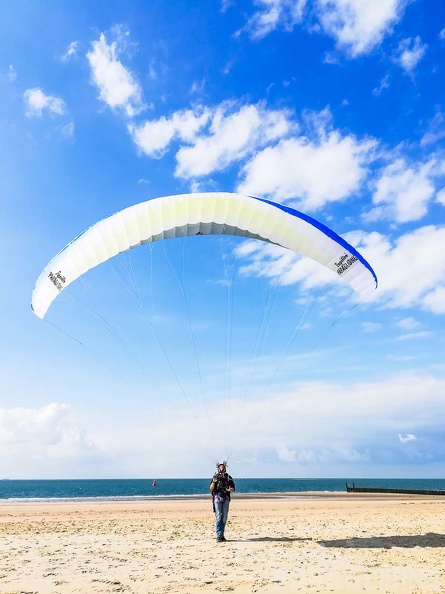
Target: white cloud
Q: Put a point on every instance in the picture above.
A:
(117, 86)
(415, 335)
(408, 324)
(435, 300)
(273, 262)
(359, 26)
(442, 33)
(408, 437)
(48, 431)
(411, 271)
(436, 130)
(12, 74)
(312, 172)
(440, 197)
(36, 102)
(211, 138)
(68, 130)
(370, 327)
(409, 53)
(153, 137)
(384, 84)
(403, 192)
(70, 51)
(273, 14)
(231, 137)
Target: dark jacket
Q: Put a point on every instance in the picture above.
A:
(220, 485)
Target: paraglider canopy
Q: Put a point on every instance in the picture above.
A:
(215, 213)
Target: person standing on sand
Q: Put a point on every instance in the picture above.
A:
(222, 486)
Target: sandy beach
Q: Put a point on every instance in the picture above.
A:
(335, 543)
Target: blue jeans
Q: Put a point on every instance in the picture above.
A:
(221, 514)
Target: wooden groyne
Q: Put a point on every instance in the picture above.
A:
(355, 489)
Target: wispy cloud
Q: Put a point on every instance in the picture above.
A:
(68, 130)
(273, 14)
(408, 324)
(71, 51)
(117, 86)
(384, 84)
(415, 335)
(435, 131)
(37, 102)
(371, 327)
(12, 74)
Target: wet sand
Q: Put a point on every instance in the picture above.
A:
(317, 543)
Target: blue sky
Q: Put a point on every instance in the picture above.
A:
(325, 105)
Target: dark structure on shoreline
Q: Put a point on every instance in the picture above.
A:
(355, 489)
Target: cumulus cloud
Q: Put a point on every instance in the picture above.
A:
(312, 171)
(37, 102)
(411, 269)
(404, 191)
(117, 86)
(231, 136)
(357, 26)
(211, 138)
(154, 137)
(409, 53)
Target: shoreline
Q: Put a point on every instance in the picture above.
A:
(289, 495)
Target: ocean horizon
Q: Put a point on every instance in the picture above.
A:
(15, 490)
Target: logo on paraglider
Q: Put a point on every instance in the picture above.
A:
(344, 263)
(57, 279)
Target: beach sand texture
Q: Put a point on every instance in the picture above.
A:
(344, 545)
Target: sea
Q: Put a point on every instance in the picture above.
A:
(15, 491)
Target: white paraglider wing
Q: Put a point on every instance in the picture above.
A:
(216, 213)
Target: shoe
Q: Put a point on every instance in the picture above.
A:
(223, 538)
(220, 539)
